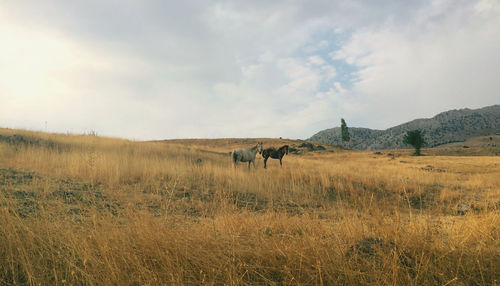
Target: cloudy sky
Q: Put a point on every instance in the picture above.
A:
(192, 69)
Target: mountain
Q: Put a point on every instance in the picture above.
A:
(446, 127)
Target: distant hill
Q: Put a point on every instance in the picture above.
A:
(447, 127)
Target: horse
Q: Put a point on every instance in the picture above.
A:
(246, 155)
(275, 154)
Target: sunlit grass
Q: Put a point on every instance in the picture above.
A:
(92, 210)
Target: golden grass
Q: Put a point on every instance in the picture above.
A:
(102, 211)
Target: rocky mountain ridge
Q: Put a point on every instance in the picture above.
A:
(446, 127)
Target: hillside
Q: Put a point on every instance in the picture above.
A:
(447, 127)
(485, 142)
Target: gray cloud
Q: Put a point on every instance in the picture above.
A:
(166, 69)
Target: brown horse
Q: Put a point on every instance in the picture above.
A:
(275, 154)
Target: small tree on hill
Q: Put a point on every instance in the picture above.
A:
(345, 131)
(415, 139)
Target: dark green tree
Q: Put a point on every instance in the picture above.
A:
(415, 139)
(345, 131)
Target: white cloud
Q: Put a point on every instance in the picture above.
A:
(236, 68)
(428, 66)
(316, 60)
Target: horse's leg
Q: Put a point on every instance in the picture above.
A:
(235, 159)
(253, 163)
(265, 162)
(280, 162)
(249, 162)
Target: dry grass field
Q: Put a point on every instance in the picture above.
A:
(87, 210)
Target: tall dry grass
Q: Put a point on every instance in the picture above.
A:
(103, 211)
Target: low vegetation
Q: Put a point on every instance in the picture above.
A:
(415, 139)
(96, 211)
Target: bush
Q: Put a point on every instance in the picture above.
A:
(414, 138)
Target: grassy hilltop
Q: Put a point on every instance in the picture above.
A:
(89, 210)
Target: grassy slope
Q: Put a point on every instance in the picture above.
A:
(91, 210)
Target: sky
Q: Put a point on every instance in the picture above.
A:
(147, 70)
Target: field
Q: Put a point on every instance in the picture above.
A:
(88, 210)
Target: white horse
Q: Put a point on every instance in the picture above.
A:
(246, 155)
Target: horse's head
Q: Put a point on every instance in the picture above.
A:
(259, 147)
(283, 149)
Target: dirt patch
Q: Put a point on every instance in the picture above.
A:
(15, 177)
(372, 249)
(311, 147)
(25, 195)
(249, 201)
(25, 141)
(430, 168)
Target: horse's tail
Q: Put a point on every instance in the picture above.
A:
(234, 156)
